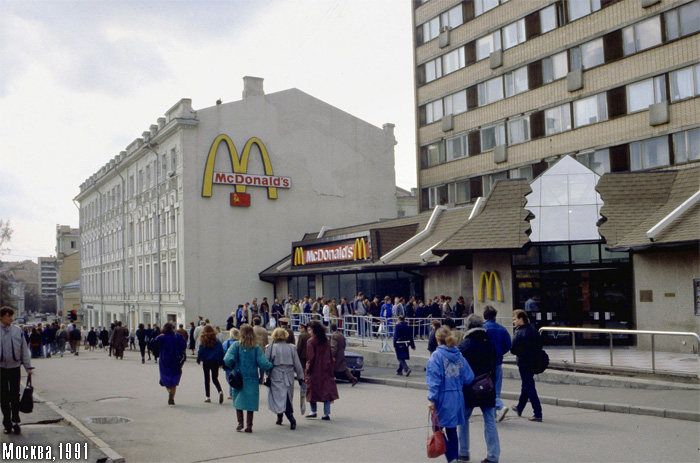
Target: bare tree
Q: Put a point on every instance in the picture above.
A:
(5, 236)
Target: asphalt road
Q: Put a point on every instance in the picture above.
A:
(370, 422)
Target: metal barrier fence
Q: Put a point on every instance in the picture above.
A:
(611, 332)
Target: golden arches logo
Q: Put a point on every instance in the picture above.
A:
(299, 256)
(239, 165)
(360, 251)
(489, 279)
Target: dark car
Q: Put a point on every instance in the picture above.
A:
(355, 363)
(20, 321)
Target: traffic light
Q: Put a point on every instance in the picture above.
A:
(73, 316)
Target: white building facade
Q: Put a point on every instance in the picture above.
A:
(180, 223)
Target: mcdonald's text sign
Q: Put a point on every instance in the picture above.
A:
(489, 281)
(239, 177)
(359, 250)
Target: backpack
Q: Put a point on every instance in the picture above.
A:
(541, 364)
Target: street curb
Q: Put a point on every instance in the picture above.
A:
(564, 402)
(113, 457)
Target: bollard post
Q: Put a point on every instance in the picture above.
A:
(653, 356)
(611, 349)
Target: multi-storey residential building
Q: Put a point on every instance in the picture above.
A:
(505, 88)
(48, 283)
(181, 222)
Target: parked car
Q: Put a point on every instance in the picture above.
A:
(20, 321)
(355, 363)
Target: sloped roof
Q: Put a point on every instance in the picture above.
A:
(504, 223)
(634, 202)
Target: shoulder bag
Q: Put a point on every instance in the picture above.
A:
(268, 379)
(235, 378)
(436, 440)
(26, 403)
(541, 363)
(482, 386)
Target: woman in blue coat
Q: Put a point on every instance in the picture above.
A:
(172, 349)
(246, 356)
(446, 373)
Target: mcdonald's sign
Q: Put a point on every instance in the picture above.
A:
(490, 280)
(359, 250)
(239, 177)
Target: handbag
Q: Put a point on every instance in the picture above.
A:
(268, 379)
(542, 363)
(482, 386)
(235, 378)
(436, 441)
(26, 403)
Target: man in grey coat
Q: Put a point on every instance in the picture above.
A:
(13, 353)
(338, 352)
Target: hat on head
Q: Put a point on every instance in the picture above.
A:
(284, 320)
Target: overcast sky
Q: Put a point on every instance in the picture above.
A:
(80, 80)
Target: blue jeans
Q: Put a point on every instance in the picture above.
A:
(326, 407)
(497, 385)
(493, 446)
(452, 443)
(528, 391)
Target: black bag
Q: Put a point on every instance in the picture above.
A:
(26, 403)
(182, 359)
(235, 378)
(542, 363)
(482, 386)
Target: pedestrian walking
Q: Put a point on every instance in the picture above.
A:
(211, 356)
(480, 353)
(234, 335)
(183, 332)
(142, 335)
(61, 340)
(171, 349)
(403, 339)
(104, 338)
(432, 342)
(74, 339)
(155, 348)
(192, 341)
(302, 344)
(35, 342)
(14, 353)
(247, 357)
(319, 378)
(340, 366)
(446, 374)
(92, 338)
(118, 340)
(527, 345)
(284, 324)
(263, 339)
(502, 342)
(286, 365)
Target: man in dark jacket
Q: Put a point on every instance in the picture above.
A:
(480, 353)
(74, 339)
(49, 337)
(527, 345)
(403, 339)
(500, 338)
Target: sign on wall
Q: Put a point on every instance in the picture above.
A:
(490, 281)
(239, 176)
(359, 250)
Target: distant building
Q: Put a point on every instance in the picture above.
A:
(181, 222)
(68, 267)
(406, 202)
(48, 283)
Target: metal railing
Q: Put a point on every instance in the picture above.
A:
(612, 332)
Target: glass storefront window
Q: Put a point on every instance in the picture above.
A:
(348, 287)
(607, 256)
(330, 286)
(555, 254)
(530, 256)
(366, 282)
(386, 284)
(584, 254)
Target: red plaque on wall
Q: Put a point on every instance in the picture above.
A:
(240, 199)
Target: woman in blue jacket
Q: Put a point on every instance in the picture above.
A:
(446, 373)
(211, 354)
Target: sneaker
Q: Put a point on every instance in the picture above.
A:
(501, 413)
(207, 400)
(486, 460)
(311, 415)
(461, 458)
(7, 430)
(326, 418)
(515, 409)
(537, 419)
(408, 373)
(221, 397)
(400, 373)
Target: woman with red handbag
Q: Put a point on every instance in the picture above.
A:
(446, 373)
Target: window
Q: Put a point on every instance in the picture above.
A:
(173, 160)
(580, 8)
(433, 70)
(516, 81)
(456, 103)
(518, 130)
(482, 6)
(588, 55)
(433, 111)
(457, 147)
(462, 192)
(431, 29)
(521, 172)
(685, 83)
(437, 196)
(649, 153)
(557, 119)
(489, 181)
(453, 61)
(514, 34)
(141, 186)
(490, 91)
(597, 161)
(647, 92)
(683, 21)
(641, 36)
(493, 136)
(131, 186)
(686, 146)
(436, 154)
(555, 67)
(450, 19)
(148, 176)
(590, 110)
(163, 167)
(453, 17)
(486, 45)
(548, 19)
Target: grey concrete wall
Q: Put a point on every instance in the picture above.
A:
(448, 281)
(500, 262)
